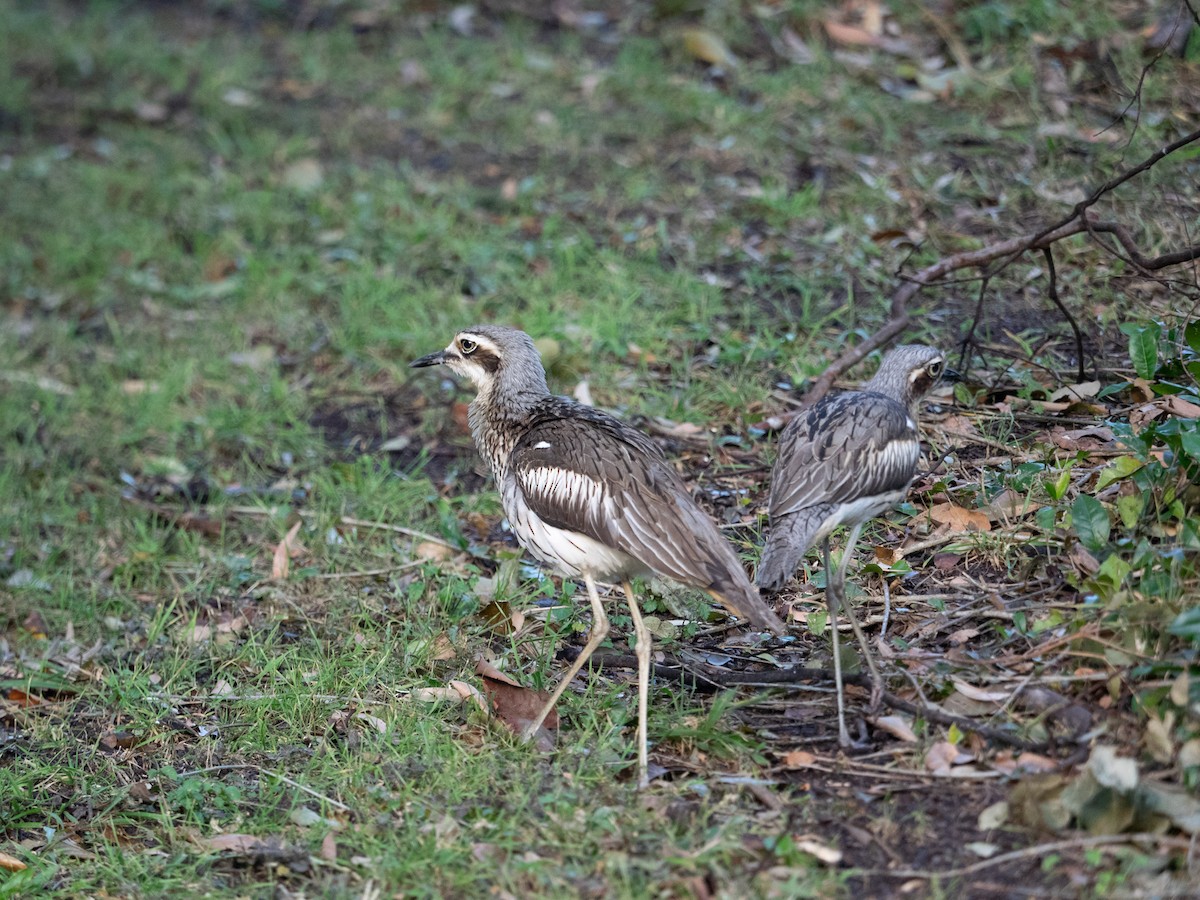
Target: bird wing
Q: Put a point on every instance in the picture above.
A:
(854, 445)
(581, 470)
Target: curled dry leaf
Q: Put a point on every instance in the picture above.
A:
(433, 551)
(470, 692)
(285, 550)
(329, 848)
(817, 848)
(993, 816)
(942, 755)
(798, 759)
(708, 47)
(980, 694)
(897, 726)
(374, 721)
(11, 863)
(485, 668)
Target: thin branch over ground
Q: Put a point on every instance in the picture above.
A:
(1079, 221)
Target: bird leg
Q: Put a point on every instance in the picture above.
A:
(598, 633)
(831, 601)
(887, 607)
(868, 656)
(642, 649)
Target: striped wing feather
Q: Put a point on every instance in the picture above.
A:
(584, 471)
(845, 448)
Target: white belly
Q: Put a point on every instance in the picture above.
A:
(566, 552)
(862, 510)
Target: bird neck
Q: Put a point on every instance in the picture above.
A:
(896, 387)
(497, 417)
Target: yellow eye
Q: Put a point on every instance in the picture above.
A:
(467, 346)
(935, 368)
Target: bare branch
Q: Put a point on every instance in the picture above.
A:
(1078, 221)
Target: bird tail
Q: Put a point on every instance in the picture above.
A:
(789, 539)
(742, 599)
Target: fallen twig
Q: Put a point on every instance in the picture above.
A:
(1037, 851)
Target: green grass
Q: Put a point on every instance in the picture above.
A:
(225, 236)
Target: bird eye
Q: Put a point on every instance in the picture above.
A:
(935, 368)
(467, 346)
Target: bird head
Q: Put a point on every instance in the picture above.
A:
(492, 356)
(908, 373)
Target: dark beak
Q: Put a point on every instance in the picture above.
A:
(433, 359)
(948, 374)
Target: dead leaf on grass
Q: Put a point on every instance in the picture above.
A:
(959, 518)
(11, 863)
(850, 35)
(200, 633)
(707, 47)
(235, 843)
(329, 848)
(517, 707)
(434, 551)
(285, 551)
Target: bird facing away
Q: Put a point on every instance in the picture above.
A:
(844, 461)
(589, 496)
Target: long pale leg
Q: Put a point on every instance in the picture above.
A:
(887, 607)
(599, 633)
(642, 649)
(868, 656)
(831, 601)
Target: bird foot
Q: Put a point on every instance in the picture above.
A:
(849, 744)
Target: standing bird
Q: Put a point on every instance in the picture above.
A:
(589, 496)
(844, 461)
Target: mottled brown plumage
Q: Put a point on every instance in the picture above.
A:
(587, 495)
(845, 461)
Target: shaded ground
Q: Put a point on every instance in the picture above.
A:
(249, 567)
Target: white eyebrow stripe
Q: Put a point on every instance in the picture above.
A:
(542, 445)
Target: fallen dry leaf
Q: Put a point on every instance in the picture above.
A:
(1007, 762)
(707, 47)
(517, 707)
(980, 694)
(897, 726)
(1184, 409)
(850, 35)
(941, 756)
(959, 518)
(433, 551)
(234, 843)
(374, 721)
(798, 759)
(329, 848)
(813, 846)
(285, 550)
(11, 863)
(1094, 437)
(470, 692)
